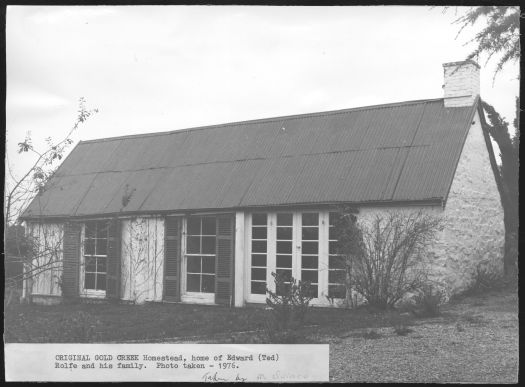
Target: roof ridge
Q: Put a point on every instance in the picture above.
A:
(261, 120)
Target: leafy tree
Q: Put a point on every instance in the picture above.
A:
(36, 256)
(22, 190)
(508, 175)
(500, 35)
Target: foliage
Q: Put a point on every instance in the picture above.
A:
(402, 330)
(484, 280)
(371, 334)
(507, 175)
(401, 321)
(37, 255)
(428, 301)
(349, 245)
(80, 327)
(22, 190)
(500, 35)
(142, 272)
(287, 308)
(17, 245)
(12, 292)
(385, 256)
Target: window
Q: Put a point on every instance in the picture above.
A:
(310, 250)
(336, 269)
(200, 254)
(95, 255)
(259, 253)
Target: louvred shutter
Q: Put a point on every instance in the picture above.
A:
(224, 261)
(71, 262)
(113, 260)
(172, 258)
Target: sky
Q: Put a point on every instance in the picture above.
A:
(158, 68)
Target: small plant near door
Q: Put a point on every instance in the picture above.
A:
(287, 309)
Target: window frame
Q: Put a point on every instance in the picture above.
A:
(192, 296)
(83, 292)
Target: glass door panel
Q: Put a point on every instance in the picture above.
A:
(310, 250)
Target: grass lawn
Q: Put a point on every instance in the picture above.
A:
(160, 322)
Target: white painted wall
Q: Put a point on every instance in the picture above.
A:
(474, 233)
(142, 265)
(47, 265)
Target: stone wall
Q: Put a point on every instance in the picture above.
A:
(142, 259)
(474, 233)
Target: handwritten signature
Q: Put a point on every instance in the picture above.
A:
(209, 377)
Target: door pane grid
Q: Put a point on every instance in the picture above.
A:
(336, 270)
(284, 247)
(259, 253)
(310, 250)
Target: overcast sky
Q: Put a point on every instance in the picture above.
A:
(157, 68)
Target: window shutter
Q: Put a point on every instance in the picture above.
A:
(224, 260)
(113, 260)
(71, 259)
(172, 258)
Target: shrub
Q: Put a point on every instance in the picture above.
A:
(285, 337)
(474, 319)
(400, 323)
(428, 301)
(287, 308)
(79, 326)
(485, 280)
(384, 258)
(371, 334)
(12, 292)
(402, 330)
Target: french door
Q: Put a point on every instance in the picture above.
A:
(293, 244)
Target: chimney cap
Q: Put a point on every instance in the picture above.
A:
(462, 62)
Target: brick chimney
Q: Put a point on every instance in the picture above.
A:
(461, 83)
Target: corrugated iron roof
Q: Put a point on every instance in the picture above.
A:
(396, 152)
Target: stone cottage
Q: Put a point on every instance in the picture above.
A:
(205, 215)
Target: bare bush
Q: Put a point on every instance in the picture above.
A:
(428, 301)
(34, 257)
(287, 308)
(484, 280)
(385, 257)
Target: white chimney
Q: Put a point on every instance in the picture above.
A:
(461, 83)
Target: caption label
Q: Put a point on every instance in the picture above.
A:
(167, 362)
